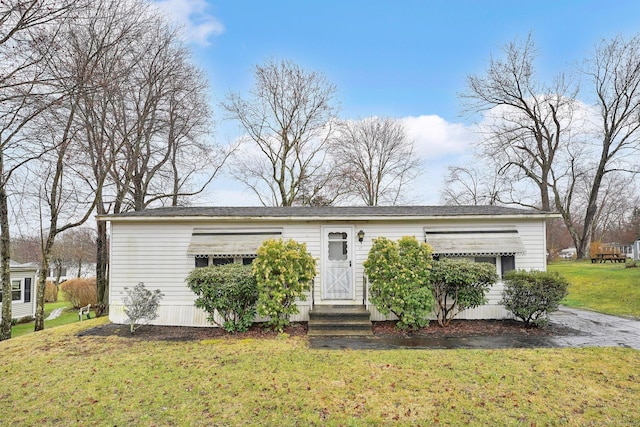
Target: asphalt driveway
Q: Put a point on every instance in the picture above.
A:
(581, 328)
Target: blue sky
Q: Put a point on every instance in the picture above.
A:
(403, 59)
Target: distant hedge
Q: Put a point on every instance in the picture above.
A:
(80, 292)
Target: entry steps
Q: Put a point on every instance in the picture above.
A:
(339, 320)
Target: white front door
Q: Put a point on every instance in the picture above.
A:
(337, 280)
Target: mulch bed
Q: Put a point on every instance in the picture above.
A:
(457, 328)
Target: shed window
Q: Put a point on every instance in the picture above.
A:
(222, 261)
(202, 261)
(508, 264)
(16, 290)
(488, 259)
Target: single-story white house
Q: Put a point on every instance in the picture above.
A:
(159, 247)
(23, 289)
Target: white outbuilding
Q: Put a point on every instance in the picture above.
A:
(159, 247)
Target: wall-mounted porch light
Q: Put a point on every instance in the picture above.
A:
(360, 236)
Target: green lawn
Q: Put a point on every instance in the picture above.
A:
(70, 315)
(280, 381)
(607, 288)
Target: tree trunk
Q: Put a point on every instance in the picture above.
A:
(42, 280)
(5, 241)
(102, 282)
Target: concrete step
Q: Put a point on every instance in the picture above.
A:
(339, 320)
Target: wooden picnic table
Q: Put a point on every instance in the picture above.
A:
(613, 257)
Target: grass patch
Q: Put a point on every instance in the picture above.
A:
(70, 315)
(126, 381)
(607, 288)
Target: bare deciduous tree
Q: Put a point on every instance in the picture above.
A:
(471, 185)
(288, 119)
(375, 159)
(26, 26)
(614, 72)
(526, 122)
(532, 130)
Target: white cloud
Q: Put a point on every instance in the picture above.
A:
(199, 25)
(436, 138)
(439, 144)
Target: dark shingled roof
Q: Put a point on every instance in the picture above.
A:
(327, 211)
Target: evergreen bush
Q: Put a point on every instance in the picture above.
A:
(532, 295)
(459, 284)
(230, 291)
(398, 274)
(284, 271)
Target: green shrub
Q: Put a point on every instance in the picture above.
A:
(230, 291)
(531, 295)
(80, 292)
(398, 274)
(141, 304)
(283, 271)
(630, 264)
(458, 285)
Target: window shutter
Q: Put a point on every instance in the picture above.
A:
(27, 289)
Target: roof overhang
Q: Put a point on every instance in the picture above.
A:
(360, 218)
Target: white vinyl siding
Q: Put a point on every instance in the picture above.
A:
(155, 253)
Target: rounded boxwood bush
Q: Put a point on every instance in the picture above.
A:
(532, 295)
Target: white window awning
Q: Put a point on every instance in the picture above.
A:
(496, 242)
(229, 242)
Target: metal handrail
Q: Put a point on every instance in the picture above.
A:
(364, 289)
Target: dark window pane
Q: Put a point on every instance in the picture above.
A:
(508, 264)
(222, 261)
(202, 261)
(489, 259)
(247, 261)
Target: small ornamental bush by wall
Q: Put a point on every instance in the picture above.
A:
(532, 295)
(80, 292)
(398, 274)
(459, 284)
(141, 305)
(228, 293)
(284, 271)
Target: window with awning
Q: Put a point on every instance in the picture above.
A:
(480, 242)
(229, 243)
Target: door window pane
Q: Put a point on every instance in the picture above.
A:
(338, 246)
